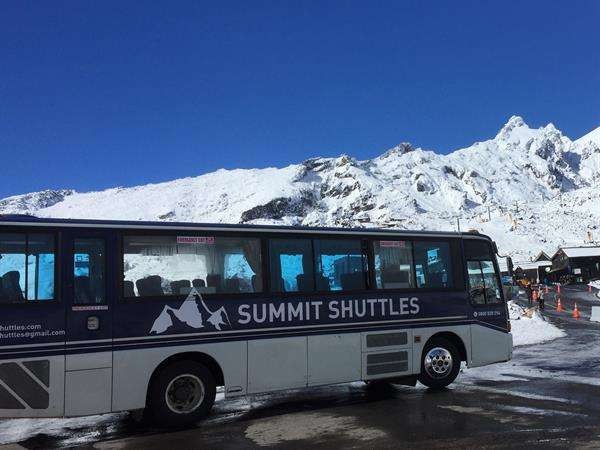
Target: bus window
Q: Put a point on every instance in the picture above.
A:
(40, 262)
(476, 284)
(172, 265)
(433, 264)
(26, 267)
(483, 278)
(393, 264)
(12, 268)
(490, 278)
(89, 267)
(340, 265)
(291, 265)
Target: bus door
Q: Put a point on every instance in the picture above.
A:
(490, 338)
(32, 325)
(89, 300)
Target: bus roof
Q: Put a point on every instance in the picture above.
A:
(33, 221)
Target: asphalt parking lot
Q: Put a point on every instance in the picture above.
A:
(547, 396)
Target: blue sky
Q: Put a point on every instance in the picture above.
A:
(102, 94)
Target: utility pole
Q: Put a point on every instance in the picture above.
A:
(458, 224)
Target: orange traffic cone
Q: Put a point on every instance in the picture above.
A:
(576, 314)
(559, 307)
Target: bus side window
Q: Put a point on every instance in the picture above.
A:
(291, 265)
(433, 264)
(26, 267)
(484, 286)
(490, 278)
(88, 271)
(40, 262)
(476, 284)
(393, 264)
(340, 265)
(12, 268)
(168, 265)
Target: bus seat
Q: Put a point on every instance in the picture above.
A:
(353, 281)
(436, 280)
(393, 275)
(11, 287)
(128, 290)
(180, 287)
(214, 280)
(198, 283)
(232, 284)
(278, 284)
(83, 290)
(395, 279)
(150, 286)
(304, 283)
(256, 283)
(322, 283)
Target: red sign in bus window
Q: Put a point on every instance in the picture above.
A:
(398, 244)
(195, 239)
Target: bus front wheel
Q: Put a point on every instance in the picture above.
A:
(182, 393)
(440, 363)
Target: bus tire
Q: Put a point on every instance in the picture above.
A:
(182, 393)
(440, 363)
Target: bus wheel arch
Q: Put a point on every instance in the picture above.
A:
(454, 339)
(199, 357)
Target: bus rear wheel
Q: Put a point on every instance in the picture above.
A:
(440, 363)
(182, 393)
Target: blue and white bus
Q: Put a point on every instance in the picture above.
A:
(101, 316)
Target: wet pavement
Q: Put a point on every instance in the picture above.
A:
(547, 396)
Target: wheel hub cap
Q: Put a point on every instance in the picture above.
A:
(438, 362)
(184, 394)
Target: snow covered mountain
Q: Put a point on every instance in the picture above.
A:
(530, 189)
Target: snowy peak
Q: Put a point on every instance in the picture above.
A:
(502, 186)
(593, 137)
(30, 203)
(513, 130)
(399, 150)
(514, 122)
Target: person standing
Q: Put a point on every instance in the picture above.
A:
(529, 292)
(541, 299)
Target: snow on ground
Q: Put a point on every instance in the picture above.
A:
(595, 285)
(16, 430)
(530, 327)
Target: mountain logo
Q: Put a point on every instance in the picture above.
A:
(189, 313)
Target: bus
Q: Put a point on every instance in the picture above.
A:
(105, 316)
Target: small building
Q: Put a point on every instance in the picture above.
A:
(575, 264)
(535, 271)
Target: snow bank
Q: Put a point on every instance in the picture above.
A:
(529, 326)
